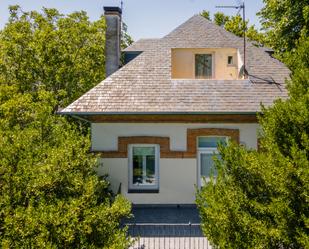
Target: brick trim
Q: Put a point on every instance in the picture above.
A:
(192, 135)
(172, 118)
(164, 143)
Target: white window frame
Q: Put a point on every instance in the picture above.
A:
(208, 151)
(234, 64)
(130, 164)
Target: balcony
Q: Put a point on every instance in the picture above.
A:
(166, 226)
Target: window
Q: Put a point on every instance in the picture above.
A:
(230, 60)
(143, 168)
(207, 151)
(203, 66)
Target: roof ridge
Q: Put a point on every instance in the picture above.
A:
(221, 29)
(179, 26)
(146, 39)
(142, 43)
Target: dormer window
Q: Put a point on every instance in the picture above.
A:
(203, 66)
(205, 63)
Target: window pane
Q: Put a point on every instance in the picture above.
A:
(144, 166)
(230, 60)
(210, 142)
(208, 165)
(203, 66)
(137, 169)
(150, 170)
(143, 151)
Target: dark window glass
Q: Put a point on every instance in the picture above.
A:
(210, 142)
(230, 60)
(144, 166)
(150, 169)
(203, 66)
(137, 169)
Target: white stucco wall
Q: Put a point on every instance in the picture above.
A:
(178, 177)
(177, 180)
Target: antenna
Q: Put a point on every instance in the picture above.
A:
(240, 7)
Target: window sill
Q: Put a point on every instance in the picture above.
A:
(143, 191)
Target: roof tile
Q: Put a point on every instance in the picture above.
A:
(145, 84)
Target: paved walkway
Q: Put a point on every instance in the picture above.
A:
(170, 227)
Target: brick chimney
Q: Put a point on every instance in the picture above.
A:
(112, 39)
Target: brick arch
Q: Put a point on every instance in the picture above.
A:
(164, 143)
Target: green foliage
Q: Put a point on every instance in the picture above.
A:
(298, 58)
(236, 25)
(50, 194)
(220, 19)
(126, 38)
(205, 14)
(232, 206)
(65, 54)
(260, 199)
(285, 22)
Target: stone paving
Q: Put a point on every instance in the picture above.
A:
(170, 227)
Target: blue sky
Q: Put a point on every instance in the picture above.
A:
(145, 18)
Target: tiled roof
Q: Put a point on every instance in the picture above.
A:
(144, 85)
(142, 45)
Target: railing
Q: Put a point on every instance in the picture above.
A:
(167, 236)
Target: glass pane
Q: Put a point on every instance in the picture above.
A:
(137, 169)
(144, 169)
(150, 170)
(210, 142)
(143, 151)
(208, 165)
(203, 66)
(230, 60)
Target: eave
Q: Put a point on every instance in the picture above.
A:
(177, 117)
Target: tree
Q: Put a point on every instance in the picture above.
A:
(220, 19)
(236, 25)
(50, 194)
(206, 14)
(260, 199)
(65, 54)
(285, 22)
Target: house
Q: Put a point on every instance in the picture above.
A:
(157, 120)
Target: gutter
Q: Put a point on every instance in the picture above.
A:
(155, 113)
(80, 118)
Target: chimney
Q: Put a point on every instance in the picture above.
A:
(112, 39)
